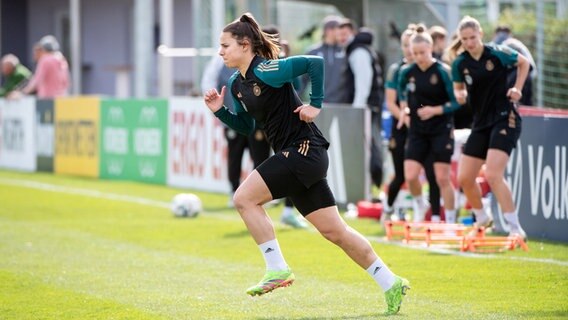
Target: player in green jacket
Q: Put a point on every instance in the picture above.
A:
(264, 97)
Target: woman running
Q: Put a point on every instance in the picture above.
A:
(480, 78)
(264, 97)
(425, 88)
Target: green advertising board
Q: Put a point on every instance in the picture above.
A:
(134, 140)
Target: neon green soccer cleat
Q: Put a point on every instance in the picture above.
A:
(272, 280)
(393, 296)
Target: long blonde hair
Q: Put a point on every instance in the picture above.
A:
(455, 47)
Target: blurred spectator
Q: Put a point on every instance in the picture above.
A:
(438, 35)
(504, 37)
(16, 75)
(363, 74)
(51, 77)
(334, 59)
(364, 85)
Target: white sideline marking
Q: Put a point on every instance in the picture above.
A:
(84, 192)
(163, 204)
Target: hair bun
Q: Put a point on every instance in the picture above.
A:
(246, 17)
(420, 28)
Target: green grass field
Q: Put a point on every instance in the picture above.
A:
(77, 248)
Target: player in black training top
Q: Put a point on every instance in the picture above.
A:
(264, 98)
(480, 78)
(397, 144)
(425, 88)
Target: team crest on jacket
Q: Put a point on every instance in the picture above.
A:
(489, 65)
(411, 84)
(434, 79)
(468, 79)
(256, 90)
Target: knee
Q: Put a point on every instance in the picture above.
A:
(333, 235)
(241, 201)
(493, 178)
(443, 181)
(466, 181)
(410, 177)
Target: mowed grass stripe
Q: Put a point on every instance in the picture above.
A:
(26, 298)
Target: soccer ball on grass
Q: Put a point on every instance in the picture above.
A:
(186, 205)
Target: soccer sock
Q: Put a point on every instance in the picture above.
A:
(382, 274)
(451, 216)
(287, 211)
(480, 215)
(417, 207)
(387, 208)
(273, 256)
(513, 219)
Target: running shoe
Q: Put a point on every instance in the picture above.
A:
(518, 232)
(394, 295)
(486, 223)
(272, 280)
(294, 221)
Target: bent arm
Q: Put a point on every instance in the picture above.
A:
(390, 100)
(460, 92)
(523, 67)
(276, 73)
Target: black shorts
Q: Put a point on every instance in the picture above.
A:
(421, 146)
(502, 135)
(299, 173)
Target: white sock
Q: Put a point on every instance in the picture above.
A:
(480, 215)
(418, 200)
(273, 256)
(513, 220)
(287, 211)
(382, 274)
(451, 216)
(418, 208)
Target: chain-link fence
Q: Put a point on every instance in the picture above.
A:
(543, 27)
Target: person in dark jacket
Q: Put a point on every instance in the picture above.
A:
(334, 62)
(364, 84)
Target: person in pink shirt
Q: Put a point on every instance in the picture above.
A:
(51, 77)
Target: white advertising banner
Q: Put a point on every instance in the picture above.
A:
(17, 134)
(197, 148)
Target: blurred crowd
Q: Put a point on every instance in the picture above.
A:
(50, 78)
